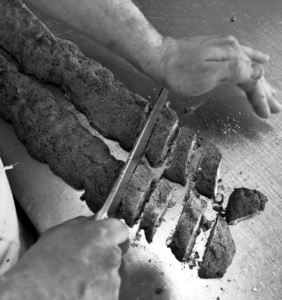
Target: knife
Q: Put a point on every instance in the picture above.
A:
(112, 203)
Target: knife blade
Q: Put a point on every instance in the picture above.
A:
(113, 201)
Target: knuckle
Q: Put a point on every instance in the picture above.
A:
(239, 69)
(231, 38)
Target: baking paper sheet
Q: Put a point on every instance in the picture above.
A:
(10, 247)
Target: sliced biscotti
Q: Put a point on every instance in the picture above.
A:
(178, 169)
(219, 252)
(54, 135)
(114, 111)
(208, 171)
(244, 203)
(163, 134)
(187, 229)
(137, 192)
(155, 209)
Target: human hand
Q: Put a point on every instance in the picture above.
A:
(193, 66)
(78, 259)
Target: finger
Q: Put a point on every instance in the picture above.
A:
(259, 101)
(239, 71)
(274, 104)
(116, 231)
(255, 55)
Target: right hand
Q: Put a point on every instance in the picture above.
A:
(193, 66)
(78, 259)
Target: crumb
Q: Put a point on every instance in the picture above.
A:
(254, 289)
(187, 110)
(134, 245)
(138, 236)
(171, 204)
(233, 19)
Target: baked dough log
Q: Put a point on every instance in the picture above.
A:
(244, 203)
(53, 135)
(137, 193)
(163, 134)
(187, 229)
(178, 169)
(114, 111)
(155, 209)
(219, 252)
(208, 171)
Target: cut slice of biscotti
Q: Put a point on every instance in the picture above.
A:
(219, 252)
(155, 209)
(187, 229)
(137, 193)
(244, 203)
(163, 134)
(178, 169)
(208, 171)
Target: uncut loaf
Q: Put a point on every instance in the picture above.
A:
(111, 109)
(53, 135)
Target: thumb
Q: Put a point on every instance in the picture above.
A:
(116, 231)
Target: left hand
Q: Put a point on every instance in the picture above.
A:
(193, 66)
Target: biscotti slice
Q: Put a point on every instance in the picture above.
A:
(137, 192)
(244, 203)
(155, 209)
(193, 164)
(112, 109)
(178, 170)
(187, 228)
(162, 136)
(208, 171)
(219, 252)
(54, 135)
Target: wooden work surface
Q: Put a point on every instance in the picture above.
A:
(250, 146)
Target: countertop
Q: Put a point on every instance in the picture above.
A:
(251, 157)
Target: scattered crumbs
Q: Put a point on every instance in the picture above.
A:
(134, 245)
(222, 289)
(159, 291)
(254, 289)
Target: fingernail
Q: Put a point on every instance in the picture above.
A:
(256, 71)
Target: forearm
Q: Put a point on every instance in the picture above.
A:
(116, 24)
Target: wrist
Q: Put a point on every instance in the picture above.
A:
(158, 66)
